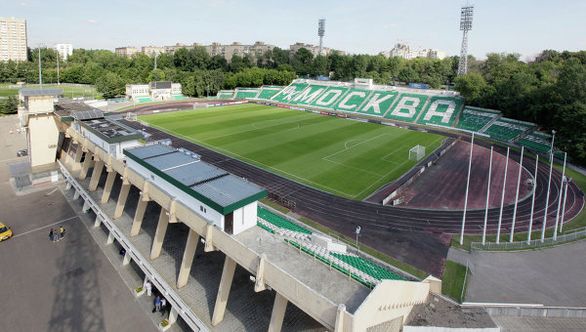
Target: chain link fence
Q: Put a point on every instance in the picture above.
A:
(576, 234)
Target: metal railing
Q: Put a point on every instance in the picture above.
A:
(176, 302)
(533, 244)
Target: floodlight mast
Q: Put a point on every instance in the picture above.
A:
(321, 31)
(466, 16)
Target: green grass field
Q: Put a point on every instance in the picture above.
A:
(347, 158)
(69, 91)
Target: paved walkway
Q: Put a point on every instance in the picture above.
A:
(553, 276)
(64, 286)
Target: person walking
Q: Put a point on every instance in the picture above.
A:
(61, 232)
(149, 287)
(163, 306)
(51, 235)
(157, 304)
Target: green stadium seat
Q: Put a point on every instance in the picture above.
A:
(407, 108)
(246, 93)
(442, 111)
(267, 92)
(537, 141)
(507, 129)
(367, 267)
(279, 221)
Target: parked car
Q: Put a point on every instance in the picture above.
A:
(5, 232)
(22, 153)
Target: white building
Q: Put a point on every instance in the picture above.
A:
(160, 90)
(406, 52)
(64, 50)
(13, 39)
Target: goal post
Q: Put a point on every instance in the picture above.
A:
(417, 152)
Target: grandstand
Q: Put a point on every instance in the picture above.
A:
(408, 105)
(507, 130)
(475, 119)
(537, 141)
(358, 268)
(246, 93)
(225, 94)
(268, 91)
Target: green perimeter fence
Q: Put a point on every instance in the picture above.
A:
(576, 234)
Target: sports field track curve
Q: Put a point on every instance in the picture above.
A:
(348, 158)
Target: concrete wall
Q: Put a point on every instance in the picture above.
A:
(43, 138)
(389, 300)
(40, 104)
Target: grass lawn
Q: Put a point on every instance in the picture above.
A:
(453, 281)
(347, 158)
(69, 91)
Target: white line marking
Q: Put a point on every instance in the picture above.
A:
(43, 227)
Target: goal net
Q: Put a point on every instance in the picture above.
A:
(417, 152)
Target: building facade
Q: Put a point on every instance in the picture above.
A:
(153, 50)
(64, 50)
(406, 52)
(314, 49)
(13, 39)
(126, 51)
(160, 90)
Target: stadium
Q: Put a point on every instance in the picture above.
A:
(334, 152)
(364, 185)
(308, 205)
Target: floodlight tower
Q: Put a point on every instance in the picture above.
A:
(321, 31)
(467, 13)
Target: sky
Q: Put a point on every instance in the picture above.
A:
(365, 26)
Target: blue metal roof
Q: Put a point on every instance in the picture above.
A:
(222, 191)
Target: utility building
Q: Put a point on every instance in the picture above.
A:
(41, 129)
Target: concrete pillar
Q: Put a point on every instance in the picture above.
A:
(224, 291)
(68, 185)
(86, 165)
(121, 200)
(78, 154)
(97, 222)
(340, 315)
(110, 238)
(108, 185)
(138, 216)
(96, 175)
(278, 314)
(86, 207)
(127, 258)
(76, 195)
(172, 316)
(160, 234)
(187, 261)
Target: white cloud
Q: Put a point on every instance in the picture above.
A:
(91, 21)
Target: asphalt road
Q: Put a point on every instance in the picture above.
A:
(64, 286)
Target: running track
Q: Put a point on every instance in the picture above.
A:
(420, 237)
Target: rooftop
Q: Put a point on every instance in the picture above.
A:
(78, 111)
(110, 130)
(209, 184)
(161, 85)
(28, 92)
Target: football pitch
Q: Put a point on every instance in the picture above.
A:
(344, 157)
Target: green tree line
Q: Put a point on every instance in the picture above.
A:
(549, 90)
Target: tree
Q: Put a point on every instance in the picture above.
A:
(471, 86)
(110, 85)
(9, 105)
